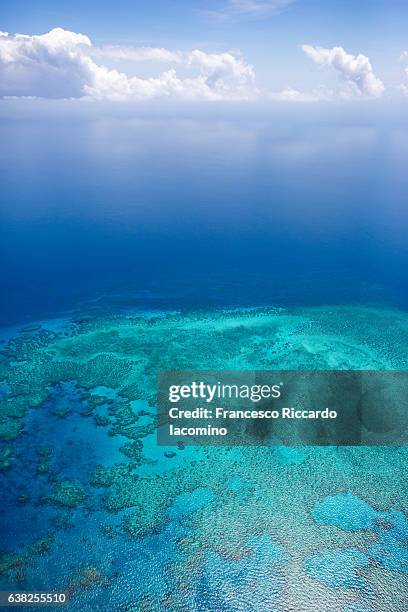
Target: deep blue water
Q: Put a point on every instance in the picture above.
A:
(299, 206)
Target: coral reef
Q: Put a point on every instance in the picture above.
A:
(44, 454)
(67, 494)
(5, 457)
(168, 525)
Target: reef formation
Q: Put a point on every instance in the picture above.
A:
(93, 507)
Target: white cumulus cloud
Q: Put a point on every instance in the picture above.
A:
(355, 70)
(64, 64)
(224, 72)
(53, 65)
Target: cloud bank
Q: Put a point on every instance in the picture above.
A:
(64, 64)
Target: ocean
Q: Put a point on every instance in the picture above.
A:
(244, 240)
(203, 208)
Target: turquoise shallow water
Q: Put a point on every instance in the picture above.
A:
(92, 506)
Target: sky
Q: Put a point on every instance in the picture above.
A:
(272, 50)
